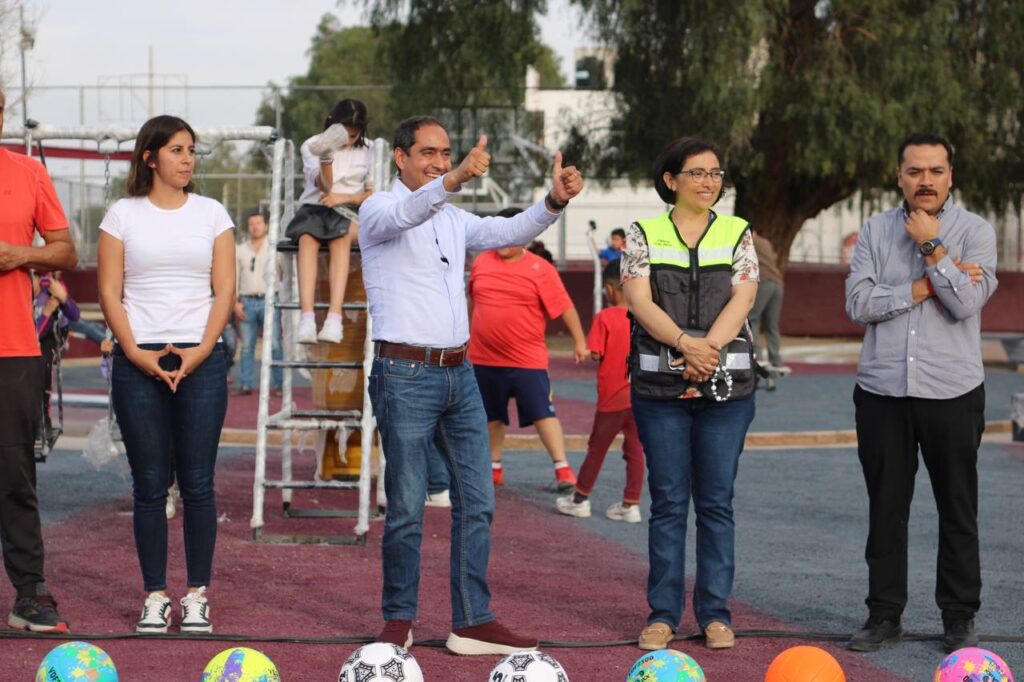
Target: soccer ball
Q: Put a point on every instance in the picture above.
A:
(528, 666)
(73, 661)
(380, 662)
(665, 665)
(973, 665)
(240, 665)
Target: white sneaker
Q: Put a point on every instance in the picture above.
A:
(156, 615)
(331, 331)
(778, 370)
(580, 510)
(307, 331)
(442, 499)
(171, 506)
(617, 512)
(332, 139)
(195, 612)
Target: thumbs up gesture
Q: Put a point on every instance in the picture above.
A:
(475, 164)
(567, 182)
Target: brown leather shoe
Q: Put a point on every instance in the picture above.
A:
(488, 639)
(243, 390)
(397, 632)
(655, 636)
(718, 635)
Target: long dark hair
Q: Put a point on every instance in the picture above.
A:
(153, 135)
(350, 112)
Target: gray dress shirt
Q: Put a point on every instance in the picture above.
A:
(930, 349)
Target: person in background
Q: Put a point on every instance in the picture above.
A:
(166, 261)
(338, 168)
(513, 293)
(608, 342)
(53, 310)
(537, 247)
(251, 264)
(616, 243)
(767, 310)
(29, 206)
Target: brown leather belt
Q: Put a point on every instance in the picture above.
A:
(444, 357)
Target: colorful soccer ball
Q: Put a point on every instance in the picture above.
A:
(805, 664)
(380, 662)
(75, 661)
(528, 666)
(973, 665)
(241, 665)
(666, 665)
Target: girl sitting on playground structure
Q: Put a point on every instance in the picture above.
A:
(337, 165)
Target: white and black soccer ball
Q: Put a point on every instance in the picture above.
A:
(380, 662)
(528, 666)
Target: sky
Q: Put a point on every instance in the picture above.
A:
(203, 42)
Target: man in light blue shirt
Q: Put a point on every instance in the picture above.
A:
(919, 277)
(422, 387)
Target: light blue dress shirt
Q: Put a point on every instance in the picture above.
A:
(930, 349)
(414, 257)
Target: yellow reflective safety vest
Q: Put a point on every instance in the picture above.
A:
(692, 285)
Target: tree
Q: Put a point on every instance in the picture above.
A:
(809, 98)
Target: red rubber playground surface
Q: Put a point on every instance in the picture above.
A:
(548, 577)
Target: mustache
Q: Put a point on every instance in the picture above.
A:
(925, 192)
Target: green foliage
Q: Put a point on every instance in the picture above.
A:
(810, 98)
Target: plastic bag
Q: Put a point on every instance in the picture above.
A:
(100, 448)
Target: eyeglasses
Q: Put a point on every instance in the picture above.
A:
(698, 174)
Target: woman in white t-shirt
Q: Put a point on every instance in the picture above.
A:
(161, 252)
(337, 165)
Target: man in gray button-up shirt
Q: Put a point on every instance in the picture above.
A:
(920, 275)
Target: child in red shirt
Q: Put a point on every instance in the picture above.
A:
(608, 342)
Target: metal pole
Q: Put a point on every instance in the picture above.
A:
(24, 45)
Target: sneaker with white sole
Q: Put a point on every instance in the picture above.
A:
(156, 615)
(195, 612)
(307, 331)
(442, 499)
(619, 512)
(330, 140)
(331, 332)
(567, 506)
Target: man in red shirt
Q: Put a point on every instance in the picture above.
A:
(608, 342)
(513, 294)
(28, 204)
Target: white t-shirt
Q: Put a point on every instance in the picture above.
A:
(352, 171)
(168, 258)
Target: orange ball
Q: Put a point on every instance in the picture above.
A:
(805, 664)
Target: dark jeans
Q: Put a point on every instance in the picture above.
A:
(21, 385)
(948, 432)
(692, 446)
(152, 421)
(421, 409)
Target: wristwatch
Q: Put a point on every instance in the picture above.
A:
(928, 247)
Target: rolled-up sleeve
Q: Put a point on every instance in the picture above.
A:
(953, 287)
(867, 300)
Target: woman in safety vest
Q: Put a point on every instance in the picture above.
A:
(690, 278)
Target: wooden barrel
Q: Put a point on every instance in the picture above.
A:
(341, 389)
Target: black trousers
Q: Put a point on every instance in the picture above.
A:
(948, 433)
(21, 388)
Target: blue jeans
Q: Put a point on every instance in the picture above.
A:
(419, 407)
(250, 329)
(152, 421)
(437, 472)
(691, 445)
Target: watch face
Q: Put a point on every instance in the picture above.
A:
(927, 247)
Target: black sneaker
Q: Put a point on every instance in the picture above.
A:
(877, 633)
(37, 614)
(958, 633)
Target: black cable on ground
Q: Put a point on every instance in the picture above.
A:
(439, 643)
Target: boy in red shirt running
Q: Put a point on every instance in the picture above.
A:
(609, 344)
(513, 294)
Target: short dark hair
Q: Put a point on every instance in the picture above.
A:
(405, 133)
(931, 139)
(619, 232)
(154, 134)
(612, 273)
(253, 214)
(350, 112)
(509, 211)
(673, 157)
